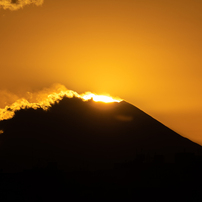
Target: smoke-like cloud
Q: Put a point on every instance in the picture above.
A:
(124, 118)
(43, 99)
(17, 4)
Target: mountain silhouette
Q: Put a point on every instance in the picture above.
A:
(88, 148)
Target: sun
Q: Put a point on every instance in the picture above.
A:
(100, 98)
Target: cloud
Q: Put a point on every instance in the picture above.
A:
(124, 118)
(17, 4)
(42, 99)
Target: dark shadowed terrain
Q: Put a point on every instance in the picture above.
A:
(79, 150)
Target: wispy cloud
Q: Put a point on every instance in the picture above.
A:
(17, 4)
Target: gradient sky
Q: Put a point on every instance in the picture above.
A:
(146, 52)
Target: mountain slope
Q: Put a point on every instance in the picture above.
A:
(96, 150)
(91, 133)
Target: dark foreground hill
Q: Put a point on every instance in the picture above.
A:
(78, 150)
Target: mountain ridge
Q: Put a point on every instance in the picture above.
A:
(119, 129)
(92, 150)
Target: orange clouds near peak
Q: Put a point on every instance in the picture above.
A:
(48, 96)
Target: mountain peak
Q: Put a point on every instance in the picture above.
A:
(95, 132)
(82, 148)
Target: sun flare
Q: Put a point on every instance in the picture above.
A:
(100, 98)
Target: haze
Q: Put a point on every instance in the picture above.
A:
(145, 52)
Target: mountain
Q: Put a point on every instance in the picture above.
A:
(88, 149)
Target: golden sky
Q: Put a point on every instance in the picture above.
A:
(146, 52)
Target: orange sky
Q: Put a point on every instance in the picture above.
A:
(146, 52)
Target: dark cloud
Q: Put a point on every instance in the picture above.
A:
(17, 4)
(124, 118)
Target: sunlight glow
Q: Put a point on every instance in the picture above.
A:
(99, 98)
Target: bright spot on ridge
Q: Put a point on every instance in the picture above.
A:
(100, 98)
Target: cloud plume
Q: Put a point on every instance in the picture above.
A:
(17, 4)
(43, 99)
